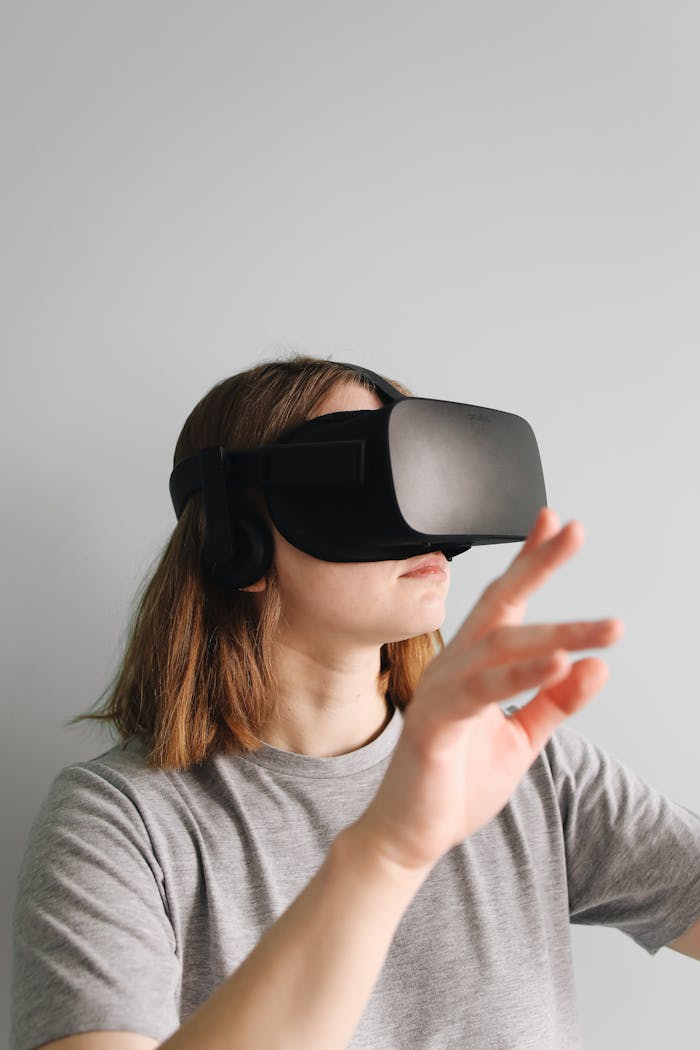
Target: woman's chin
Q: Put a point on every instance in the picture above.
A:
(425, 625)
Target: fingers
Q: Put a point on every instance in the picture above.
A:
(502, 683)
(481, 689)
(507, 644)
(546, 525)
(492, 657)
(504, 600)
(556, 701)
(511, 659)
(527, 574)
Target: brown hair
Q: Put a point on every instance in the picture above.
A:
(196, 677)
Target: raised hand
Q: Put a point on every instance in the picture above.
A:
(460, 758)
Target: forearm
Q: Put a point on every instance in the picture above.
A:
(307, 981)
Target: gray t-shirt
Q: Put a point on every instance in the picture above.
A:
(140, 891)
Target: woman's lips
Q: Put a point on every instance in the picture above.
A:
(439, 574)
(436, 562)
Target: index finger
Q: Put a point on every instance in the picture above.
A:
(503, 601)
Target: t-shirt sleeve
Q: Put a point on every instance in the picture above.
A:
(93, 944)
(632, 854)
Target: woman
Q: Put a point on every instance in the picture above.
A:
(320, 829)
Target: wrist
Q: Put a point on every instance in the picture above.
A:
(358, 846)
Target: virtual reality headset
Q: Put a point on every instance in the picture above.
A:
(414, 476)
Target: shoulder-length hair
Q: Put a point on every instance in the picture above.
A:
(196, 678)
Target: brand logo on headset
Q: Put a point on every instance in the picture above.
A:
(475, 417)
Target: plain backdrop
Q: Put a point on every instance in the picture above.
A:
(494, 203)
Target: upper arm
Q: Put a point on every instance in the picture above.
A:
(103, 1041)
(632, 853)
(688, 943)
(94, 947)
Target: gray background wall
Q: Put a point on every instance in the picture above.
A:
(494, 203)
